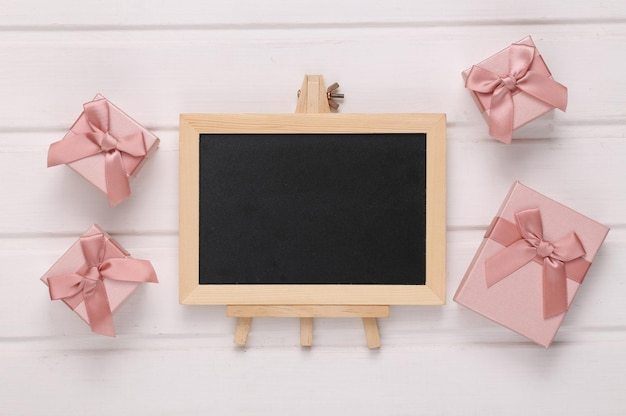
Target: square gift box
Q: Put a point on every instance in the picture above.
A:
(530, 264)
(106, 147)
(513, 87)
(94, 277)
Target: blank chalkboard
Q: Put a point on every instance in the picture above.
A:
(312, 209)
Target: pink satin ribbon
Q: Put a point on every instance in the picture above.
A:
(518, 77)
(524, 243)
(100, 140)
(87, 284)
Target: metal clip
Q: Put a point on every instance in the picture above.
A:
(330, 95)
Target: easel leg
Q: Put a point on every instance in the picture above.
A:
(241, 333)
(306, 332)
(371, 332)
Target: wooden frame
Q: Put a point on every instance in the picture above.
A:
(432, 293)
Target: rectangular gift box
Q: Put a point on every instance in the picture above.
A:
(73, 259)
(526, 108)
(517, 301)
(92, 167)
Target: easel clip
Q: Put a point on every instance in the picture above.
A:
(331, 94)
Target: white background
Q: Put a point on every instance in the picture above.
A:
(156, 59)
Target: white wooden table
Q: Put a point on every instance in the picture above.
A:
(158, 59)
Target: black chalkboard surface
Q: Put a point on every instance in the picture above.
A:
(312, 209)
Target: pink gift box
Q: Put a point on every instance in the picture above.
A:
(74, 263)
(527, 103)
(116, 127)
(522, 295)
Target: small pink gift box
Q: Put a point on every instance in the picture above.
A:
(94, 277)
(106, 147)
(530, 264)
(513, 87)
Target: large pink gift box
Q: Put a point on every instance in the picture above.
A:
(530, 264)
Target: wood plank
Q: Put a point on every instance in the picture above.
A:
(74, 13)
(596, 313)
(151, 375)
(74, 68)
(474, 193)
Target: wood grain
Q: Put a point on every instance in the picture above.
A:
(156, 60)
(309, 311)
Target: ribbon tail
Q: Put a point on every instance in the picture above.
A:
(577, 269)
(118, 187)
(72, 148)
(99, 311)
(501, 115)
(508, 260)
(544, 89)
(554, 288)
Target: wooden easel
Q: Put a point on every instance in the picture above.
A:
(312, 98)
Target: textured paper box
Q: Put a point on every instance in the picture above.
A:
(72, 260)
(526, 107)
(92, 167)
(517, 301)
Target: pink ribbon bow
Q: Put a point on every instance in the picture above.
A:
(519, 76)
(100, 140)
(561, 259)
(87, 284)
